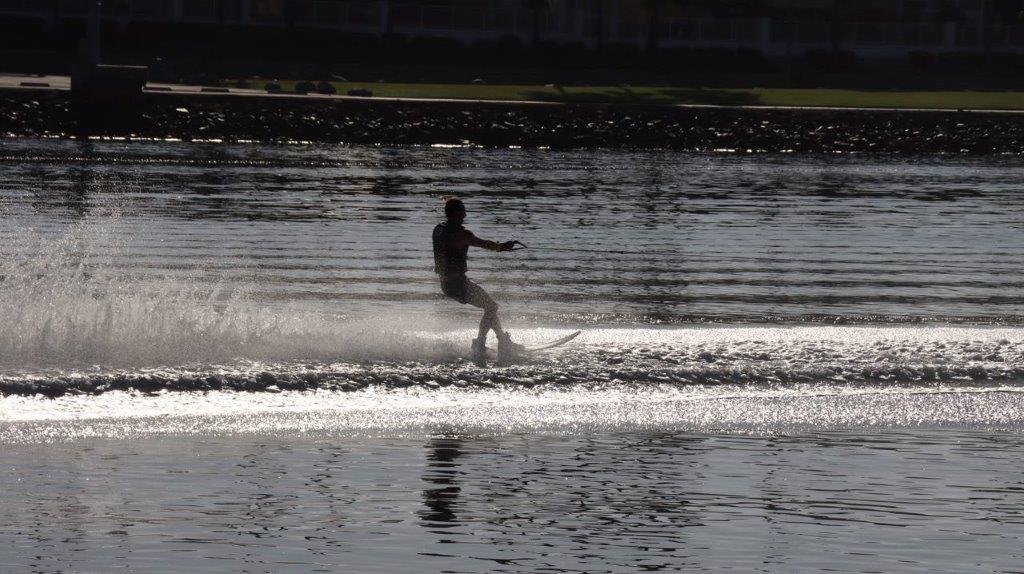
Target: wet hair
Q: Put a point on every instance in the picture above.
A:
(453, 205)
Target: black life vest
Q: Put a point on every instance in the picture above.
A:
(449, 260)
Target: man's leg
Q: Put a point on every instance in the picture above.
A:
(489, 322)
(476, 296)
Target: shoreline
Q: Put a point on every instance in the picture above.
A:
(287, 118)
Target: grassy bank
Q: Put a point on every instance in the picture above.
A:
(693, 96)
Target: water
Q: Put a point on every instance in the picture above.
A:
(891, 502)
(235, 357)
(648, 236)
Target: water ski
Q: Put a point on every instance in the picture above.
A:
(492, 354)
(555, 343)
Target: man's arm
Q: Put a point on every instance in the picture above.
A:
(475, 241)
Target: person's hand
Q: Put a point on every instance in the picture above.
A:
(507, 246)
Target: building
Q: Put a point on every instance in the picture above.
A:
(867, 28)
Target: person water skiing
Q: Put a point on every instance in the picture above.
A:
(451, 246)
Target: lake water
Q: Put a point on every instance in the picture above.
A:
(234, 357)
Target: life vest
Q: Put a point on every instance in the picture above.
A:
(449, 260)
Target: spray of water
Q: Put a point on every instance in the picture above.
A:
(65, 305)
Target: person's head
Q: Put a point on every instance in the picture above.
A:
(455, 210)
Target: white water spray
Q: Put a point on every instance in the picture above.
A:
(64, 305)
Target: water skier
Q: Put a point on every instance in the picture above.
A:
(451, 246)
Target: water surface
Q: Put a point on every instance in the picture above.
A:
(234, 357)
(925, 501)
(669, 236)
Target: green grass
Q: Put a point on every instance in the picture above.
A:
(702, 96)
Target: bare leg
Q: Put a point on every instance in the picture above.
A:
(489, 322)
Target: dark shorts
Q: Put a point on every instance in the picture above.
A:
(465, 291)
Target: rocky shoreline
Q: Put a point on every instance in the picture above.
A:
(389, 122)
